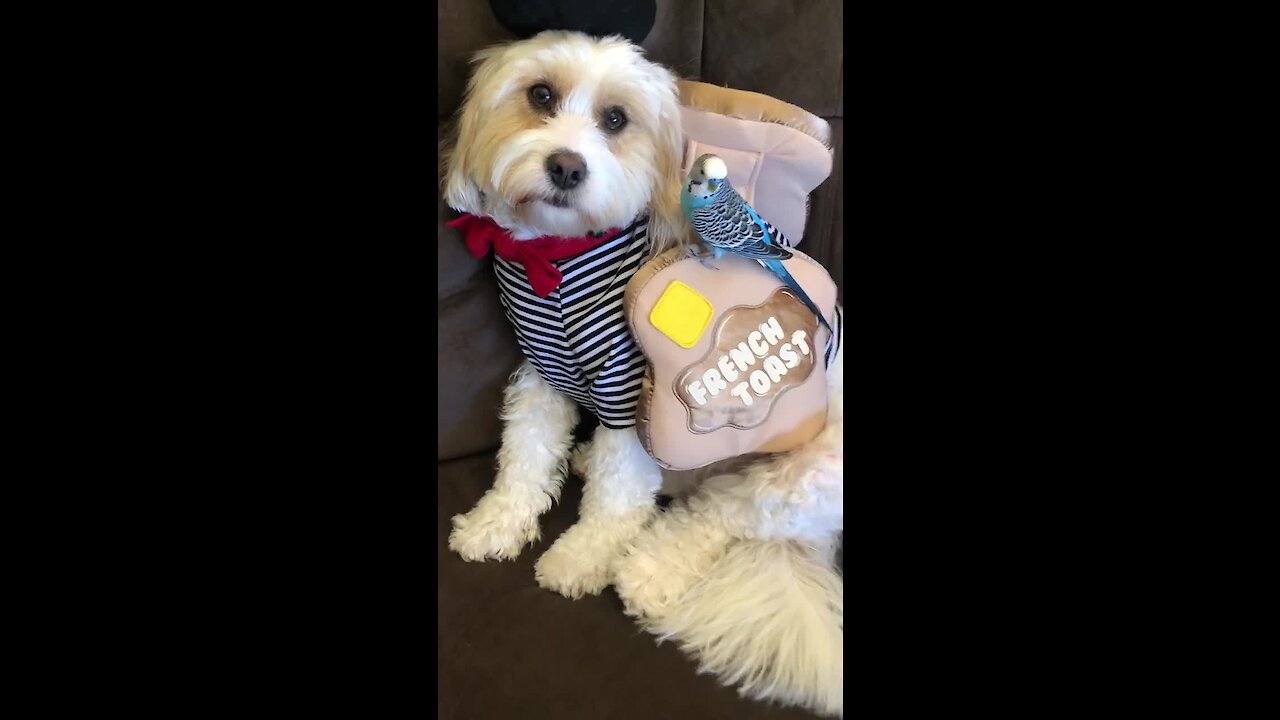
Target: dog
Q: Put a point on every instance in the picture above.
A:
(561, 136)
(573, 137)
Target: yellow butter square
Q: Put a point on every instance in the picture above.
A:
(681, 314)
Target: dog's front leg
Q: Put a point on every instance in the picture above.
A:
(617, 502)
(532, 463)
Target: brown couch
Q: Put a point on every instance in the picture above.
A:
(507, 648)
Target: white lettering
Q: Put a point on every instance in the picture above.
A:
(772, 331)
(714, 382)
(798, 340)
(774, 367)
(727, 369)
(788, 355)
(760, 382)
(742, 356)
(699, 394)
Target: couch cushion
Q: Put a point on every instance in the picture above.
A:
(793, 51)
(477, 349)
(465, 26)
(508, 648)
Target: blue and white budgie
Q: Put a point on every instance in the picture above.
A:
(727, 223)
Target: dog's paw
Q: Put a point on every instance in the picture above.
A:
(493, 530)
(648, 590)
(572, 569)
(663, 562)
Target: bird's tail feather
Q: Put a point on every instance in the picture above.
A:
(778, 269)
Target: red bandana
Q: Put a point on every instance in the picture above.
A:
(535, 255)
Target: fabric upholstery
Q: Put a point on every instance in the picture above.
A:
(793, 51)
(477, 351)
(509, 649)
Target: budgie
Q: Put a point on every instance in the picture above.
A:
(727, 223)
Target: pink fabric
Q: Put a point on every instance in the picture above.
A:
(773, 167)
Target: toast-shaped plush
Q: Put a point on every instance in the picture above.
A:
(736, 360)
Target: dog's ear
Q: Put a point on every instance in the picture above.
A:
(668, 227)
(460, 192)
(458, 140)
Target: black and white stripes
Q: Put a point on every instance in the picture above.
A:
(833, 343)
(577, 337)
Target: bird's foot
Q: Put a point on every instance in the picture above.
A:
(705, 255)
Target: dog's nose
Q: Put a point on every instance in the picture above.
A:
(566, 169)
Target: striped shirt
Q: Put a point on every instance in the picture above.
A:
(577, 337)
(833, 342)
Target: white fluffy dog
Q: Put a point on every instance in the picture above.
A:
(565, 135)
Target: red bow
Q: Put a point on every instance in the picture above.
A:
(535, 255)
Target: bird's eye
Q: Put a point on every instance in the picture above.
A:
(540, 95)
(614, 120)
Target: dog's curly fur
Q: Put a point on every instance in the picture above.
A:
(740, 573)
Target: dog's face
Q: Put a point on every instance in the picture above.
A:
(564, 134)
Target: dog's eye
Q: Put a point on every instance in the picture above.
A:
(540, 95)
(614, 120)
